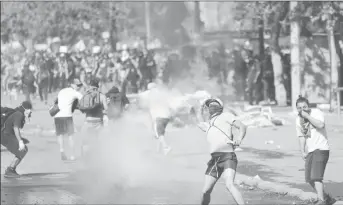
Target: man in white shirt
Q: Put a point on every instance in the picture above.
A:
(67, 99)
(157, 101)
(222, 148)
(314, 146)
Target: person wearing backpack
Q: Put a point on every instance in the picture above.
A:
(12, 121)
(94, 105)
(64, 123)
(117, 102)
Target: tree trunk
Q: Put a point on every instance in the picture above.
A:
(295, 56)
(333, 62)
(340, 68)
(113, 28)
(280, 15)
(147, 23)
(113, 35)
(197, 19)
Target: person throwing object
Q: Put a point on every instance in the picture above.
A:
(222, 148)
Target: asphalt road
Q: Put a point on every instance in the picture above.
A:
(125, 168)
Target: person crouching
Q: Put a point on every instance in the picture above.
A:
(12, 139)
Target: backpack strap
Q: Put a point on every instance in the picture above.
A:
(213, 125)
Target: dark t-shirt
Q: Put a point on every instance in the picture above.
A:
(15, 120)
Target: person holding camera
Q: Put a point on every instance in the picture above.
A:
(314, 146)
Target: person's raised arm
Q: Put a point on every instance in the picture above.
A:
(317, 120)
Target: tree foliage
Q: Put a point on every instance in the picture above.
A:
(312, 15)
(38, 20)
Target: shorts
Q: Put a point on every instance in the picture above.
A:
(315, 165)
(64, 126)
(219, 162)
(12, 145)
(160, 126)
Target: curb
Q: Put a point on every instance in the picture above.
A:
(275, 187)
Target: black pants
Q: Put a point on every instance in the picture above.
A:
(254, 92)
(240, 86)
(51, 82)
(43, 89)
(56, 83)
(268, 88)
(28, 90)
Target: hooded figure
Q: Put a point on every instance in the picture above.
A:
(117, 101)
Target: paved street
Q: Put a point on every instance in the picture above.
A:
(127, 165)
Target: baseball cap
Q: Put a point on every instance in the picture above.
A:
(212, 100)
(27, 105)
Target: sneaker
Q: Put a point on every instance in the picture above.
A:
(63, 156)
(11, 173)
(329, 200)
(166, 150)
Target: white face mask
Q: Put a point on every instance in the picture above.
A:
(27, 113)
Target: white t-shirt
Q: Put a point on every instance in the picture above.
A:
(157, 103)
(66, 98)
(219, 133)
(317, 138)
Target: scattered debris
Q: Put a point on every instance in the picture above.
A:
(257, 116)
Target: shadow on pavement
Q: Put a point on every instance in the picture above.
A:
(267, 154)
(151, 193)
(333, 188)
(37, 179)
(45, 174)
(252, 169)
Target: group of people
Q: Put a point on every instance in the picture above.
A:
(46, 72)
(210, 117)
(98, 108)
(79, 84)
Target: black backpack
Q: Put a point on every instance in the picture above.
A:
(90, 101)
(5, 113)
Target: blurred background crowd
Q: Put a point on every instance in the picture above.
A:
(188, 45)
